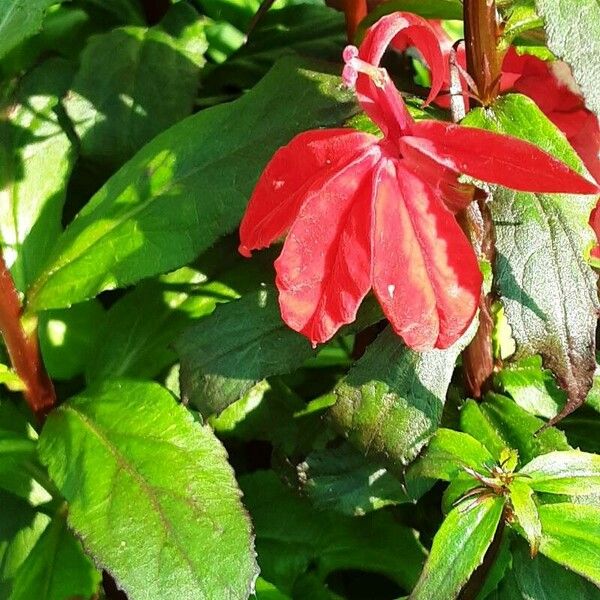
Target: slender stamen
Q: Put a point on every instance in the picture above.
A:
(355, 65)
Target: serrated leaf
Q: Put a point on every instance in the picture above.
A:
(571, 537)
(294, 540)
(458, 549)
(19, 20)
(36, 157)
(206, 165)
(499, 423)
(133, 83)
(573, 34)
(571, 473)
(526, 512)
(391, 401)
(343, 480)
(137, 336)
(540, 241)
(56, 567)
(176, 532)
(448, 453)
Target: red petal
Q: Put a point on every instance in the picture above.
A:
(385, 106)
(324, 270)
(425, 273)
(495, 158)
(287, 179)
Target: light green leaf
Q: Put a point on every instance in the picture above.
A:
(571, 537)
(526, 512)
(150, 493)
(448, 453)
(20, 19)
(293, 539)
(137, 336)
(540, 241)
(36, 157)
(67, 337)
(571, 473)
(10, 379)
(206, 165)
(133, 83)
(267, 591)
(343, 480)
(391, 401)
(458, 549)
(499, 423)
(56, 567)
(573, 34)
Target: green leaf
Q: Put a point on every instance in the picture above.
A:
(56, 567)
(133, 83)
(526, 512)
(540, 243)
(531, 387)
(241, 343)
(499, 423)
(21, 525)
(36, 157)
(571, 473)
(391, 401)
(573, 34)
(137, 336)
(162, 532)
(122, 11)
(20, 19)
(518, 20)
(267, 591)
(10, 379)
(343, 480)
(571, 537)
(206, 165)
(432, 9)
(67, 337)
(542, 579)
(458, 549)
(293, 539)
(448, 453)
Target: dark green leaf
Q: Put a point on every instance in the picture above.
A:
(458, 548)
(132, 84)
(343, 480)
(122, 11)
(176, 532)
(56, 568)
(20, 19)
(499, 423)
(541, 240)
(36, 157)
(571, 537)
(206, 166)
(526, 512)
(573, 33)
(291, 538)
(391, 402)
(68, 336)
(137, 336)
(432, 9)
(571, 473)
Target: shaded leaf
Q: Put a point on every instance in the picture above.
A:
(206, 165)
(458, 549)
(541, 240)
(162, 533)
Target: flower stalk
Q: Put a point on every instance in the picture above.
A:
(23, 349)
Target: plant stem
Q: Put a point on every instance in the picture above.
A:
(23, 348)
(484, 61)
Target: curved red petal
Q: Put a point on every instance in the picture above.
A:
(287, 179)
(495, 158)
(425, 274)
(324, 270)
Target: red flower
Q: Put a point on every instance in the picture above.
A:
(378, 213)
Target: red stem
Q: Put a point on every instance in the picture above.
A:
(355, 11)
(23, 348)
